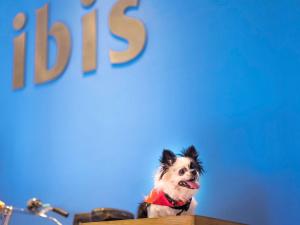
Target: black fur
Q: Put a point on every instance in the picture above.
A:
(143, 210)
(192, 153)
(167, 159)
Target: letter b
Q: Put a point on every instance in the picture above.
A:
(63, 42)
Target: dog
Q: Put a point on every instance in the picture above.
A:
(175, 184)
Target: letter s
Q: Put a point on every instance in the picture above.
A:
(127, 28)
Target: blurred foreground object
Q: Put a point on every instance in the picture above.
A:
(34, 207)
(2, 204)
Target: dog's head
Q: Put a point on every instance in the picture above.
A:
(178, 176)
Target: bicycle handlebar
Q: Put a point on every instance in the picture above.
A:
(60, 212)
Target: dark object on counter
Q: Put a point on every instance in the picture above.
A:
(107, 214)
(82, 218)
(102, 214)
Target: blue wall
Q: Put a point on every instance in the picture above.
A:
(222, 75)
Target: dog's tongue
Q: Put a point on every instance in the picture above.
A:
(193, 185)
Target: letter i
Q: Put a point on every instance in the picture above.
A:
(19, 52)
(89, 38)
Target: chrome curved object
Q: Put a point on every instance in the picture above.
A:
(35, 208)
(6, 214)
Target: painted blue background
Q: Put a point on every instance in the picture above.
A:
(222, 75)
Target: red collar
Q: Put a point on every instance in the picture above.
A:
(158, 197)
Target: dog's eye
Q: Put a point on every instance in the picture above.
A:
(182, 171)
(192, 166)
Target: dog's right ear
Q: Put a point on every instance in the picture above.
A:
(168, 157)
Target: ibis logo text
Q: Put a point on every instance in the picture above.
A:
(125, 27)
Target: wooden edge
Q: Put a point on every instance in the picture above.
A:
(214, 221)
(171, 220)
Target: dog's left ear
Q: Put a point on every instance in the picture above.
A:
(191, 152)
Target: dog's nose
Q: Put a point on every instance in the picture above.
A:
(194, 172)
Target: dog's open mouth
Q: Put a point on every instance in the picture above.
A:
(191, 184)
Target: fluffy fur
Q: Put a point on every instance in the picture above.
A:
(178, 177)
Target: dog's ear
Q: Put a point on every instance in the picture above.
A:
(168, 157)
(191, 152)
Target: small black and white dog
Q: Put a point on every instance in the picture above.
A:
(176, 182)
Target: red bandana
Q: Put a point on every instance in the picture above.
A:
(158, 197)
